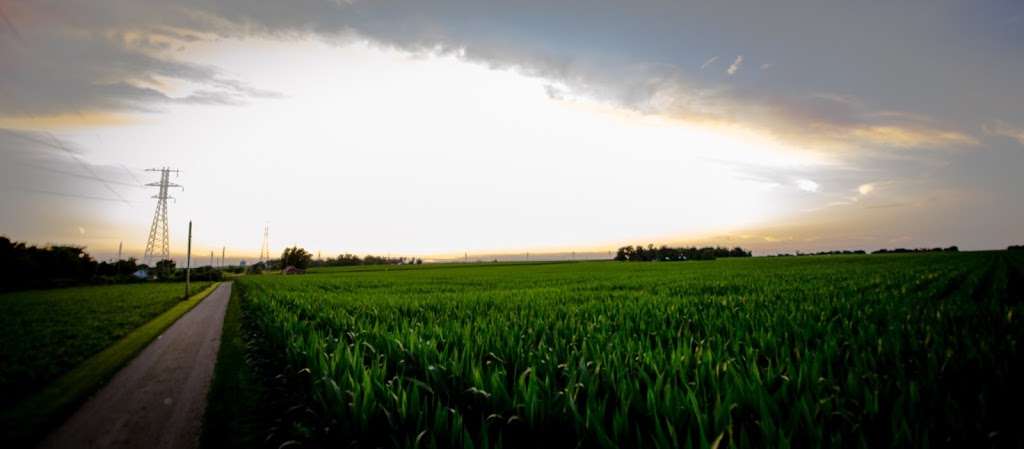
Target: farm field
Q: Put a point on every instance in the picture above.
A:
(899, 350)
(46, 333)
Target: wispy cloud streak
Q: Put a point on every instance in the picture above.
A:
(708, 62)
(735, 67)
(1001, 128)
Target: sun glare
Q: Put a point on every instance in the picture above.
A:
(445, 155)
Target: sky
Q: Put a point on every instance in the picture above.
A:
(440, 128)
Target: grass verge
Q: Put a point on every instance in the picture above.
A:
(230, 391)
(26, 422)
(238, 398)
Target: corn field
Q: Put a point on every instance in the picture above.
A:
(915, 350)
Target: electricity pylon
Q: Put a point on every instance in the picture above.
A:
(158, 233)
(265, 248)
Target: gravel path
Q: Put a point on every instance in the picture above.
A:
(158, 400)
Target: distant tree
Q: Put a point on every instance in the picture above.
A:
(207, 273)
(345, 260)
(296, 257)
(165, 269)
(126, 267)
(257, 268)
(119, 271)
(24, 266)
(624, 253)
(951, 249)
(664, 253)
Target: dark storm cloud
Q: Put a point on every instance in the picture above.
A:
(917, 73)
(75, 57)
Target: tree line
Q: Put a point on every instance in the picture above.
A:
(652, 253)
(301, 259)
(842, 252)
(950, 249)
(345, 260)
(24, 266)
(838, 252)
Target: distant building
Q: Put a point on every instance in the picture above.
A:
(241, 264)
(292, 270)
(141, 274)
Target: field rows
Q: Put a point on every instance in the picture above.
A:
(851, 351)
(46, 333)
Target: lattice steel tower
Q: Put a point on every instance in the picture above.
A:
(158, 234)
(265, 248)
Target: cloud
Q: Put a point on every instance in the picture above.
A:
(122, 55)
(818, 121)
(708, 62)
(83, 59)
(866, 189)
(735, 67)
(807, 185)
(1001, 128)
(895, 136)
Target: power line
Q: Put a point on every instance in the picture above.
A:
(57, 144)
(10, 26)
(61, 194)
(130, 173)
(78, 175)
(85, 166)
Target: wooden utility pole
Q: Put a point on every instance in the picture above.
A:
(188, 263)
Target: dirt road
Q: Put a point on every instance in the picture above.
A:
(158, 400)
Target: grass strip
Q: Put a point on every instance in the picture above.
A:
(248, 404)
(26, 422)
(232, 418)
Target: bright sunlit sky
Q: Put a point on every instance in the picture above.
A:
(438, 128)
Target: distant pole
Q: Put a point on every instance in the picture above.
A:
(222, 249)
(211, 259)
(188, 263)
(119, 246)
